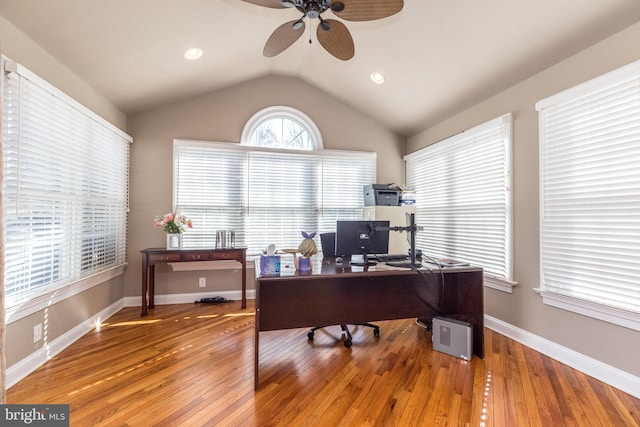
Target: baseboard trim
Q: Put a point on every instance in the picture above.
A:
(601, 371)
(189, 297)
(49, 350)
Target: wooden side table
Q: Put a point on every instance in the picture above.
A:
(153, 256)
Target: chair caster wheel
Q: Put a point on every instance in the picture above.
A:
(310, 335)
(347, 343)
(376, 332)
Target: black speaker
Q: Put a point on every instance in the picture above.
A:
(328, 242)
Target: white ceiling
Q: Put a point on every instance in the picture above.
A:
(437, 55)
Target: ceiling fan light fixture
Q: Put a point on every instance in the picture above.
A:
(286, 3)
(193, 54)
(337, 6)
(298, 24)
(377, 78)
(325, 25)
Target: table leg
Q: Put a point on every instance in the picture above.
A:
(152, 286)
(244, 281)
(144, 285)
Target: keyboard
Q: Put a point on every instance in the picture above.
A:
(388, 257)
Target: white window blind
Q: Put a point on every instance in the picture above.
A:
(266, 195)
(590, 191)
(65, 188)
(463, 197)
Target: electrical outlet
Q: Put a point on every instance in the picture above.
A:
(202, 282)
(37, 333)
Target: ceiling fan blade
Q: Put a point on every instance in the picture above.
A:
(283, 37)
(336, 40)
(274, 4)
(366, 10)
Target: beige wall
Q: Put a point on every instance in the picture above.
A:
(61, 317)
(614, 345)
(18, 47)
(221, 116)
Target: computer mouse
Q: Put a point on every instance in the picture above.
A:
(339, 260)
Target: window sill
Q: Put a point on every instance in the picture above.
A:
(43, 301)
(499, 284)
(591, 309)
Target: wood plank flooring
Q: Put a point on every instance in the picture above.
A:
(192, 365)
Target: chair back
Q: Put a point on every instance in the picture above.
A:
(328, 243)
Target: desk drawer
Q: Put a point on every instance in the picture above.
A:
(196, 256)
(164, 257)
(230, 254)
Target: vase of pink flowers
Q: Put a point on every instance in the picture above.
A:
(174, 225)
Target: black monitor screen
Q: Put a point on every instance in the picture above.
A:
(360, 237)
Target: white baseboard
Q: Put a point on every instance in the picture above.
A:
(189, 297)
(50, 349)
(601, 371)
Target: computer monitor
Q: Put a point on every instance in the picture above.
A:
(362, 238)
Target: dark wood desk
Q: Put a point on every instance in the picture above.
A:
(338, 294)
(153, 256)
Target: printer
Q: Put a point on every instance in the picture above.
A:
(381, 195)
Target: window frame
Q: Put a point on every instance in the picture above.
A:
(322, 202)
(276, 111)
(242, 203)
(85, 271)
(595, 94)
(501, 126)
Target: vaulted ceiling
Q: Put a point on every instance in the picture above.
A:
(437, 56)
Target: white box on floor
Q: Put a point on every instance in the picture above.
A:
(453, 337)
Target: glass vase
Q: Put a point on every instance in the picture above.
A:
(174, 241)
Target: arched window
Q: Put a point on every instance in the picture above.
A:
(272, 186)
(281, 127)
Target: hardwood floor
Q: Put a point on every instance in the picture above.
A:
(192, 365)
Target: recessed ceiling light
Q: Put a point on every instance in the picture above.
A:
(377, 78)
(193, 54)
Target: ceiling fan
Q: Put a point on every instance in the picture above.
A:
(332, 34)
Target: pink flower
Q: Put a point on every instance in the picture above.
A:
(172, 222)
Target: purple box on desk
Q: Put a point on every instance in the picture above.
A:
(270, 265)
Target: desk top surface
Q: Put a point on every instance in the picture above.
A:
(328, 267)
(237, 248)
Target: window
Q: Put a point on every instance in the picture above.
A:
(463, 199)
(590, 197)
(65, 192)
(282, 127)
(268, 194)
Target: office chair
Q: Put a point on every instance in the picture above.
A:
(328, 244)
(345, 329)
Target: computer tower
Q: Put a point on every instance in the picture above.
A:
(453, 337)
